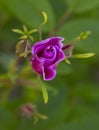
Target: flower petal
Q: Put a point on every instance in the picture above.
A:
(49, 73)
(37, 64)
(58, 56)
(46, 55)
(38, 44)
(53, 40)
(57, 41)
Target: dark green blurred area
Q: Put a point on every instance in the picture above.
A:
(74, 93)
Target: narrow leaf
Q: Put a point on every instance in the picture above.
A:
(25, 53)
(67, 61)
(31, 38)
(85, 55)
(45, 94)
(45, 18)
(44, 117)
(32, 31)
(23, 37)
(19, 45)
(25, 29)
(17, 31)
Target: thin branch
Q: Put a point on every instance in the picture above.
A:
(40, 33)
(61, 22)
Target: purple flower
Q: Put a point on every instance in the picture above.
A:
(46, 55)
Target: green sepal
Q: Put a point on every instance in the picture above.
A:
(85, 55)
(18, 31)
(81, 37)
(31, 38)
(67, 61)
(25, 29)
(24, 37)
(24, 54)
(84, 35)
(32, 31)
(19, 46)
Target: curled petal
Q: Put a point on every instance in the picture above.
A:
(49, 73)
(53, 40)
(38, 44)
(61, 55)
(58, 56)
(37, 64)
(57, 41)
(46, 55)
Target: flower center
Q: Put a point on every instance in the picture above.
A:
(50, 49)
(47, 53)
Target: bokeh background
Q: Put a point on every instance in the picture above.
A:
(74, 93)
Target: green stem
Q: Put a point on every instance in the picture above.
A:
(40, 33)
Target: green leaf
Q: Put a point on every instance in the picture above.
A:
(18, 31)
(19, 45)
(82, 5)
(32, 31)
(85, 55)
(44, 92)
(29, 12)
(44, 117)
(45, 17)
(67, 61)
(23, 37)
(25, 29)
(72, 29)
(24, 54)
(30, 37)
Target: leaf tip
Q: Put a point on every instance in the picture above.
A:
(45, 17)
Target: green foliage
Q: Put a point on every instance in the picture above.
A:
(29, 12)
(72, 29)
(85, 55)
(6, 119)
(74, 93)
(45, 17)
(82, 5)
(44, 92)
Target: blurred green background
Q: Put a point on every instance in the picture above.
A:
(74, 93)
